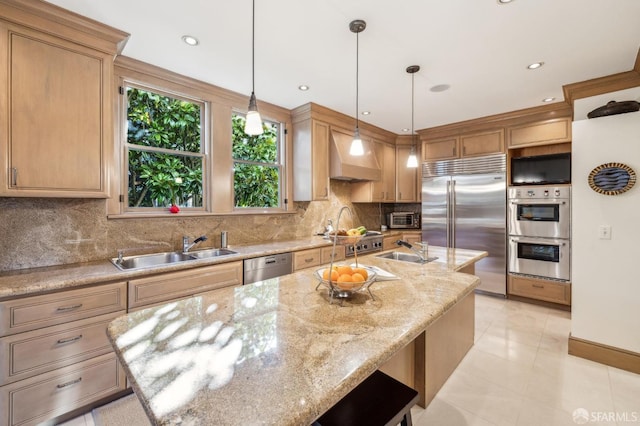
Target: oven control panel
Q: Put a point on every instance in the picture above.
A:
(539, 192)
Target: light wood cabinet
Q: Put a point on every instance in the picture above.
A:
(412, 237)
(406, 178)
(55, 105)
(383, 190)
(540, 133)
(327, 254)
(311, 160)
(466, 145)
(177, 285)
(389, 243)
(43, 397)
(539, 289)
(306, 258)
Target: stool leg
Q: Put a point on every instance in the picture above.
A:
(406, 420)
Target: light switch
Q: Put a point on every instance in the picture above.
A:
(604, 232)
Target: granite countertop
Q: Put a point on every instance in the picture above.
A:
(278, 352)
(26, 282)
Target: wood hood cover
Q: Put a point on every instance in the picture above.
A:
(345, 166)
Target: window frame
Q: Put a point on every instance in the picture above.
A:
(127, 147)
(280, 164)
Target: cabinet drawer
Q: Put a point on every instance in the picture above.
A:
(37, 399)
(306, 258)
(327, 252)
(34, 352)
(175, 285)
(549, 291)
(30, 313)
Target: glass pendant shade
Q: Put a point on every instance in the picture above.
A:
(253, 122)
(412, 161)
(356, 144)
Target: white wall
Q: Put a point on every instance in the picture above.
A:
(606, 273)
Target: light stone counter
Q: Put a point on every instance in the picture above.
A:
(277, 352)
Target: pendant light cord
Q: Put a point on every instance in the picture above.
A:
(357, 66)
(253, 47)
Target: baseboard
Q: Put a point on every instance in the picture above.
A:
(608, 355)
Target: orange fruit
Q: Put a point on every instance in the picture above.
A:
(345, 278)
(362, 272)
(357, 277)
(334, 275)
(346, 269)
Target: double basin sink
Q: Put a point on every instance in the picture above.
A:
(168, 258)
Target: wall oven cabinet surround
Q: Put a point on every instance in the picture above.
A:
(539, 211)
(55, 106)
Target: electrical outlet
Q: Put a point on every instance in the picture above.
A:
(604, 232)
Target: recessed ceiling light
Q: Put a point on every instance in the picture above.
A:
(366, 112)
(440, 88)
(406, 130)
(535, 65)
(190, 40)
(548, 99)
(303, 87)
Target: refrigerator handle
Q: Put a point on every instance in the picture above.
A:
(453, 214)
(448, 220)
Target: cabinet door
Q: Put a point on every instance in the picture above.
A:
(412, 237)
(379, 187)
(175, 285)
(320, 160)
(441, 149)
(389, 171)
(540, 133)
(482, 143)
(406, 178)
(58, 115)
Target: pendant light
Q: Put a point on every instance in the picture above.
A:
(253, 122)
(412, 161)
(357, 149)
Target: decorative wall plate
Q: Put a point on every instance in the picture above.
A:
(612, 178)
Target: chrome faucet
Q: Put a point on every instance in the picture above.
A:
(423, 251)
(186, 246)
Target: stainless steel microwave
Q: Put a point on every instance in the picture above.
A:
(404, 220)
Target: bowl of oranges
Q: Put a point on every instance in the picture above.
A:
(345, 280)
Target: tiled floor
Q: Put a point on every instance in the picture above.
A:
(519, 374)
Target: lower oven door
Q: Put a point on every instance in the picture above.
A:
(541, 257)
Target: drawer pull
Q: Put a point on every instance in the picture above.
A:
(71, 383)
(69, 340)
(537, 285)
(309, 259)
(69, 308)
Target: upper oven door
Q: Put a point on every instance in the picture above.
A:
(539, 218)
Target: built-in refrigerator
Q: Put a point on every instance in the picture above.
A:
(464, 206)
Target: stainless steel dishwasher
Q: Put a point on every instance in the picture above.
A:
(263, 268)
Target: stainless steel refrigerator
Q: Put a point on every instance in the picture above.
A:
(464, 206)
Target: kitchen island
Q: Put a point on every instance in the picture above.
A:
(278, 352)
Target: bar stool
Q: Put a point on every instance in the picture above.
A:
(378, 401)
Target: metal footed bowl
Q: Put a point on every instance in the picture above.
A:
(340, 289)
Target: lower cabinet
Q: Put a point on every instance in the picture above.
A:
(45, 396)
(307, 258)
(539, 289)
(176, 285)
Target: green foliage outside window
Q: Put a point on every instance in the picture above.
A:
(165, 159)
(256, 176)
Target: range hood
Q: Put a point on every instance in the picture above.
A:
(345, 166)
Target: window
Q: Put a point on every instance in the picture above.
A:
(165, 155)
(257, 166)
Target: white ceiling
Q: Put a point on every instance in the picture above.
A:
(478, 47)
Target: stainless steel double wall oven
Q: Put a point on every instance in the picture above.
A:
(539, 227)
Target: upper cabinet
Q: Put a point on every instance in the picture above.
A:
(543, 132)
(406, 178)
(383, 190)
(310, 160)
(55, 103)
(467, 145)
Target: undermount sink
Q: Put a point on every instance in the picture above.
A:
(207, 253)
(405, 257)
(160, 259)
